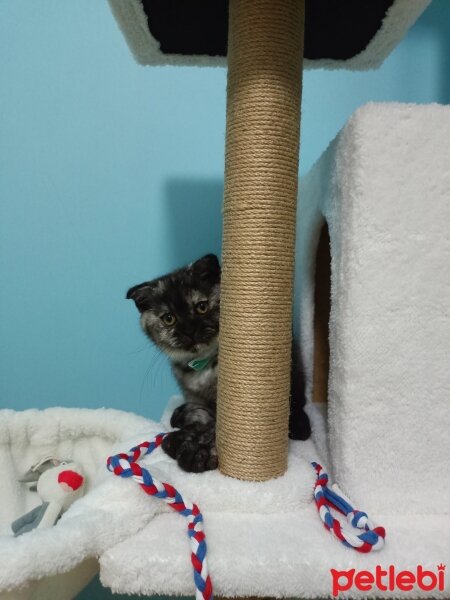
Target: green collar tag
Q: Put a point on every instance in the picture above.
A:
(199, 363)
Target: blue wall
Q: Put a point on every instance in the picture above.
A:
(111, 173)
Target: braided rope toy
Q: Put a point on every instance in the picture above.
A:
(371, 538)
(125, 465)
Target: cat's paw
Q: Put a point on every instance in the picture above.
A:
(300, 428)
(191, 414)
(193, 448)
(178, 418)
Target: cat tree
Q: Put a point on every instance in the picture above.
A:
(372, 187)
(264, 53)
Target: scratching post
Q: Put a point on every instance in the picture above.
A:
(265, 55)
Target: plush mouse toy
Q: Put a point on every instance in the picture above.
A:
(59, 484)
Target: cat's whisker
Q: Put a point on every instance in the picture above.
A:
(152, 370)
(138, 350)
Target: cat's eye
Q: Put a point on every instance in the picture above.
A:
(169, 319)
(201, 308)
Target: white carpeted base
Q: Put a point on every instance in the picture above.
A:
(258, 549)
(278, 555)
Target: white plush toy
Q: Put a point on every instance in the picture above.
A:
(59, 484)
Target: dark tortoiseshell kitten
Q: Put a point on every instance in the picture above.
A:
(180, 314)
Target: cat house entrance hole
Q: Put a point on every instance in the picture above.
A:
(322, 288)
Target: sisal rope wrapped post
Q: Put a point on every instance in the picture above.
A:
(265, 55)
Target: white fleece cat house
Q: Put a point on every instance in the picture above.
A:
(383, 189)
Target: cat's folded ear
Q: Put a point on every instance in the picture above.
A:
(142, 295)
(207, 268)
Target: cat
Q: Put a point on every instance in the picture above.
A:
(180, 315)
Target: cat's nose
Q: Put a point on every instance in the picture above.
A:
(188, 331)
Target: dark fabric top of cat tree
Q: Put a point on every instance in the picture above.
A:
(333, 29)
(356, 34)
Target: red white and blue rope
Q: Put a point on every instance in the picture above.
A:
(126, 465)
(371, 538)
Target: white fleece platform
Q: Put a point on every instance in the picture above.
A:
(56, 563)
(59, 561)
(288, 556)
(132, 21)
(255, 549)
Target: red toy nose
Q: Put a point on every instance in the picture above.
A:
(71, 478)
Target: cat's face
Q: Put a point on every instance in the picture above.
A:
(180, 311)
